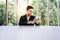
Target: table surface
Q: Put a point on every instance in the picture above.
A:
(29, 33)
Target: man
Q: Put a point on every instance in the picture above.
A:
(28, 18)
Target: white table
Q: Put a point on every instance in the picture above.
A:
(29, 33)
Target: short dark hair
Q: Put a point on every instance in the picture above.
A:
(29, 7)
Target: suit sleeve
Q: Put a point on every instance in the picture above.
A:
(37, 24)
(21, 21)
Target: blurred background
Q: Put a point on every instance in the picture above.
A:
(47, 10)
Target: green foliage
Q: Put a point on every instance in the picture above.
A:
(11, 14)
(53, 13)
(11, 18)
(34, 5)
(42, 5)
(2, 14)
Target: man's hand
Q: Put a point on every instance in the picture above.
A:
(29, 22)
(36, 21)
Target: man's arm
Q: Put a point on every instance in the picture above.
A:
(21, 21)
(36, 20)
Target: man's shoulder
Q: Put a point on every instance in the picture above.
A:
(30, 16)
(23, 16)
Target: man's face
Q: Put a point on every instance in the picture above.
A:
(29, 12)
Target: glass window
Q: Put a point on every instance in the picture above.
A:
(47, 10)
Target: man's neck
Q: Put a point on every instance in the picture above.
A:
(28, 15)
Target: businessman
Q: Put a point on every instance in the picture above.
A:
(28, 18)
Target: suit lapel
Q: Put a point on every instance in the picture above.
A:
(25, 18)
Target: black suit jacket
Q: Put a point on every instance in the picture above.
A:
(23, 20)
